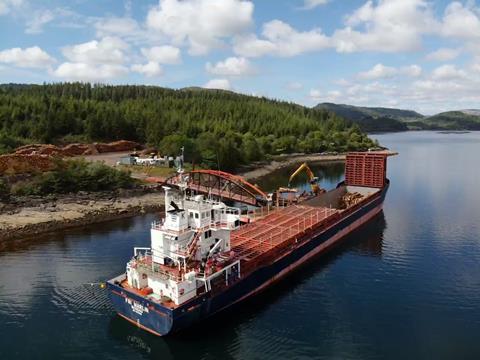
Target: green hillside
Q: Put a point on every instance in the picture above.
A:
(358, 112)
(378, 119)
(217, 127)
(373, 119)
(453, 120)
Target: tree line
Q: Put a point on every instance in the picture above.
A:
(218, 128)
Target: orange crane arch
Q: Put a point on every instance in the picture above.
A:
(255, 190)
(221, 184)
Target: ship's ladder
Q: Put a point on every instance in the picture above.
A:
(192, 246)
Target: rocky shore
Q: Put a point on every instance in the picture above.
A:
(28, 217)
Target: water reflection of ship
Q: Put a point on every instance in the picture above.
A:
(365, 241)
(199, 342)
(369, 239)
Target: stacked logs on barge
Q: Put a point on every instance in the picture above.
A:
(350, 199)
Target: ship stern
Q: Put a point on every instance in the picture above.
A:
(138, 310)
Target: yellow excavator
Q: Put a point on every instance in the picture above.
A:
(311, 177)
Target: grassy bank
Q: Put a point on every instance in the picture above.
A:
(69, 176)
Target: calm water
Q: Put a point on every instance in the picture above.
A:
(407, 286)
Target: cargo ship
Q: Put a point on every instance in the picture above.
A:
(206, 256)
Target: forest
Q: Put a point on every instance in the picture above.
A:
(217, 128)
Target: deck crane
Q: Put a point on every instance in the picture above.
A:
(311, 177)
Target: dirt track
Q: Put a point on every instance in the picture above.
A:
(110, 158)
(280, 163)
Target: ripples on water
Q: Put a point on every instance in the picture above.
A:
(406, 286)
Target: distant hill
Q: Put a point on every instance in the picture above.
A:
(378, 119)
(453, 120)
(373, 119)
(355, 113)
(471, 112)
(381, 124)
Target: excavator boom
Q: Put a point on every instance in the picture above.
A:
(311, 177)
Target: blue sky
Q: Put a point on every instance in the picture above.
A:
(415, 54)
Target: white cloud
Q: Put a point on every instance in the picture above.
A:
(156, 56)
(150, 69)
(222, 84)
(475, 66)
(165, 54)
(6, 6)
(342, 82)
(96, 60)
(38, 20)
(89, 71)
(203, 24)
(443, 54)
(448, 72)
(411, 70)
(386, 26)
(430, 93)
(109, 50)
(35, 20)
(461, 21)
(333, 95)
(353, 89)
(365, 94)
(32, 57)
(315, 94)
(280, 39)
(127, 28)
(435, 94)
(310, 4)
(232, 66)
(251, 46)
(294, 86)
(116, 26)
(379, 71)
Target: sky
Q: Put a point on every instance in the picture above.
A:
(412, 54)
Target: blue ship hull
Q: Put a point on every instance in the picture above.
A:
(161, 320)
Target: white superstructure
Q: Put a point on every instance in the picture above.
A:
(190, 249)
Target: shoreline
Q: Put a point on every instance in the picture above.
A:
(281, 162)
(26, 222)
(46, 216)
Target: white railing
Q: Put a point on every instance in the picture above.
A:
(158, 224)
(260, 213)
(154, 269)
(138, 251)
(206, 279)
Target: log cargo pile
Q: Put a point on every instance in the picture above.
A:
(19, 164)
(350, 199)
(77, 149)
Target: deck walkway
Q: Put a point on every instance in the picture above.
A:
(276, 229)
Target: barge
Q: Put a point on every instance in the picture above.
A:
(206, 256)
